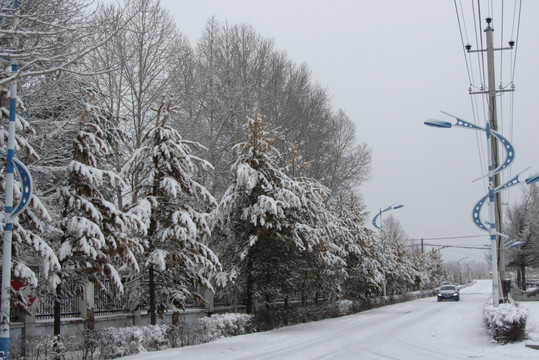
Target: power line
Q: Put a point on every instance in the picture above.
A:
(508, 22)
(516, 40)
(468, 69)
(452, 237)
(463, 30)
(458, 247)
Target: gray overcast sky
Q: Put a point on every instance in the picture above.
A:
(390, 65)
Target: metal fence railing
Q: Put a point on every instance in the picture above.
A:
(69, 305)
(109, 301)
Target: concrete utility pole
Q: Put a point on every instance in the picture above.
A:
(493, 122)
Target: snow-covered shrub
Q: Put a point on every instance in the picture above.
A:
(36, 347)
(116, 342)
(223, 325)
(46, 347)
(344, 307)
(155, 337)
(505, 323)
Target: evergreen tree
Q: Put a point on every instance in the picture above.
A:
(398, 266)
(96, 236)
(322, 265)
(176, 209)
(255, 209)
(364, 252)
(435, 267)
(277, 225)
(30, 245)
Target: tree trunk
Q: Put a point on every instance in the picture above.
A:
(249, 287)
(57, 343)
(286, 309)
(57, 310)
(152, 311)
(523, 276)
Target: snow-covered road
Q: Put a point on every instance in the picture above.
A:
(420, 329)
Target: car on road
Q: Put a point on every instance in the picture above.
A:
(448, 292)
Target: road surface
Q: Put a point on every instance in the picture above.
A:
(415, 330)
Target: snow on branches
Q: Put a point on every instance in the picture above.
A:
(30, 246)
(176, 207)
(97, 237)
(282, 230)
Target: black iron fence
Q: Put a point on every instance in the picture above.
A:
(69, 305)
(106, 302)
(109, 301)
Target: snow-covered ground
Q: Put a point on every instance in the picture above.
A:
(416, 330)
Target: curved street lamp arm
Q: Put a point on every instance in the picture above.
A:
(394, 206)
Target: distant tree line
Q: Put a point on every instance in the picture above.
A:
(522, 252)
(215, 167)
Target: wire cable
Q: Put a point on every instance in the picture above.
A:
(463, 30)
(516, 40)
(462, 39)
(452, 237)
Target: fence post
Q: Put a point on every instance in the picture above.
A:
(87, 305)
(209, 297)
(29, 329)
(137, 320)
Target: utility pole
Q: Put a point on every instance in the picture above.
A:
(5, 296)
(493, 122)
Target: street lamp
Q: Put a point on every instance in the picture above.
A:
(476, 212)
(13, 166)
(392, 207)
(510, 155)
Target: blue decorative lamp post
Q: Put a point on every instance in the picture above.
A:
(374, 223)
(510, 155)
(13, 166)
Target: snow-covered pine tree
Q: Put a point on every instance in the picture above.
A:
(273, 221)
(419, 266)
(427, 268)
(96, 237)
(398, 266)
(435, 268)
(30, 248)
(176, 209)
(364, 252)
(321, 268)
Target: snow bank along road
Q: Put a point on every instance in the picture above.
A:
(415, 330)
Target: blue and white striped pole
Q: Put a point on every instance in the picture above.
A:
(8, 229)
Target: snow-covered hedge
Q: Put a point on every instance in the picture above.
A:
(505, 323)
(223, 325)
(110, 343)
(117, 342)
(267, 319)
